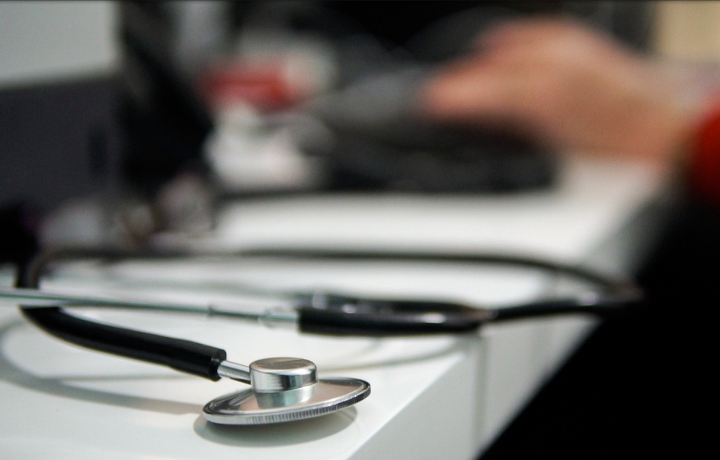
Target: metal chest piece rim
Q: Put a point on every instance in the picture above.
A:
(285, 390)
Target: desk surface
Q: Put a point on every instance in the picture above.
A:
(441, 397)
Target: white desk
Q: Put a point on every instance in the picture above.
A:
(441, 397)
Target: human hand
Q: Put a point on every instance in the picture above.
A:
(567, 87)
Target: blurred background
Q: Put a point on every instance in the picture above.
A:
(119, 121)
(124, 122)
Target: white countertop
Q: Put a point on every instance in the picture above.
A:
(432, 397)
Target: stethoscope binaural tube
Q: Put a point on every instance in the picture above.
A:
(328, 314)
(406, 318)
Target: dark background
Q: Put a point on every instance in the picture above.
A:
(643, 385)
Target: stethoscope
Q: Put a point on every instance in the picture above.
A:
(288, 389)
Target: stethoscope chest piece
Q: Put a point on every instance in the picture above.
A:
(285, 390)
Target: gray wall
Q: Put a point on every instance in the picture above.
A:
(56, 99)
(41, 41)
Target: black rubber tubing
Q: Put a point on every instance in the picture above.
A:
(182, 355)
(424, 318)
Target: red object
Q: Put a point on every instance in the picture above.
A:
(262, 86)
(705, 160)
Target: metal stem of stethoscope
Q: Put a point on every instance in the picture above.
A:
(279, 315)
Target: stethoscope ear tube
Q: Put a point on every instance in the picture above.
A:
(599, 305)
(332, 314)
(332, 322)
(379, 318)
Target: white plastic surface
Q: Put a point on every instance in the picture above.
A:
(441, 397)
